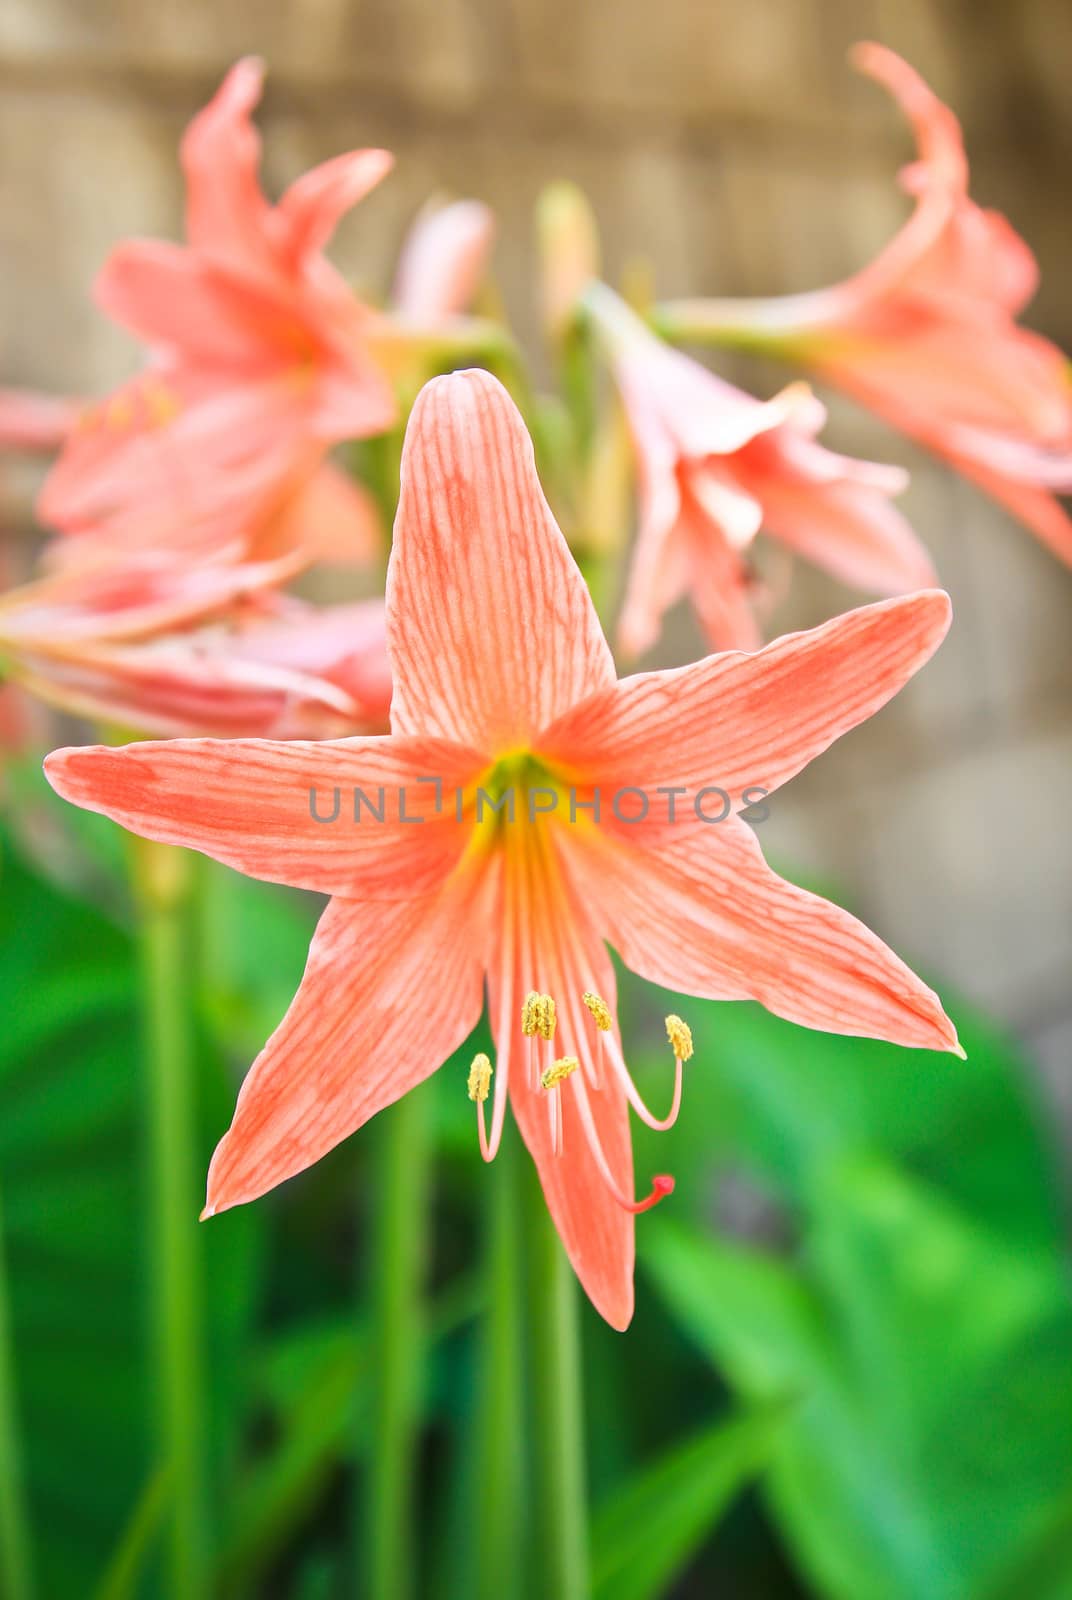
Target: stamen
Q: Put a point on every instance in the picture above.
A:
(530, 1012)
(600, 1010)
(661, 1185)
(558, 1072)
(161, 403)
(479, 1086)
(118, 413)
(547, 1018)
(680, 1035)
(625, 1077)
(480, 1077)
(556, 1075)
(603, 1020)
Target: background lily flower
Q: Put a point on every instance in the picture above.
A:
(926, 335)
(443, 262)
(260, 352)
(165, 648)
(716, 467)
(503, 679)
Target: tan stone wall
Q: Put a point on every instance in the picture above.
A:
(730, 145)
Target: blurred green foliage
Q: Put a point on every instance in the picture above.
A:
(849, 1375)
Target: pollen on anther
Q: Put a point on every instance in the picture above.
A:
(680, 1035)
(530, 1014)
(547, 1020)
(600, 1010)
(480, 1077)
(558, 1072)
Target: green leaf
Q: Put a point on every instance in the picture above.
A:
(928, 1453)
(653, 1524)
(71, 1142)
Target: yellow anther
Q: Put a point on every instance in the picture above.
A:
(162, 403)
(547, 1020)
(680, 1035)
(118, 413)
(480, 1077)
(530, 1014)
(600, 1010)
(558, 1072)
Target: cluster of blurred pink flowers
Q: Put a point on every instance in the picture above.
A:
(187, 502)
(189, 497)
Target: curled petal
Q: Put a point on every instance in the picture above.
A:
(227, 216)
(311, 208)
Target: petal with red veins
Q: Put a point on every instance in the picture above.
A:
(250, 802)
(389, 992)
(552, 948)
(491, 630)
(739, 720)
(704, 914)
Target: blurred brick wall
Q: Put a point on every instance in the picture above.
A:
(731, 147)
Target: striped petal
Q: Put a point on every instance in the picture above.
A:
(285, 811)
(366, 1026)
(491, 631)
(703, 913)
(740, 720)
(551, 947)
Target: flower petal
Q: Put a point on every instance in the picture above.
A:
(312, 206)
(704, 914)
(443, 261)
(740, 720)
(250, 802)
(174, 298)
(188, 687)
(1038, 510)
(491, 630)
(850, 530)
(332, 518)
(366, 1026)
(30, 421)
(551, 947)
(227, 216)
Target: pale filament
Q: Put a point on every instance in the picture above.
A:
(554, 1109)
(661, 1185)
(625, 1078)
(489, 1148)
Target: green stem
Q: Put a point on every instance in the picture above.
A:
(15, 1567)
(161, 884)
(499, 1476)
(560, 1544)
(398, 1269)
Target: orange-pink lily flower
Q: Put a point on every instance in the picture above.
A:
(168, 649)
(926, 335)
(716, 466)
(443, 262)
(491, 844)
(261, 355)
